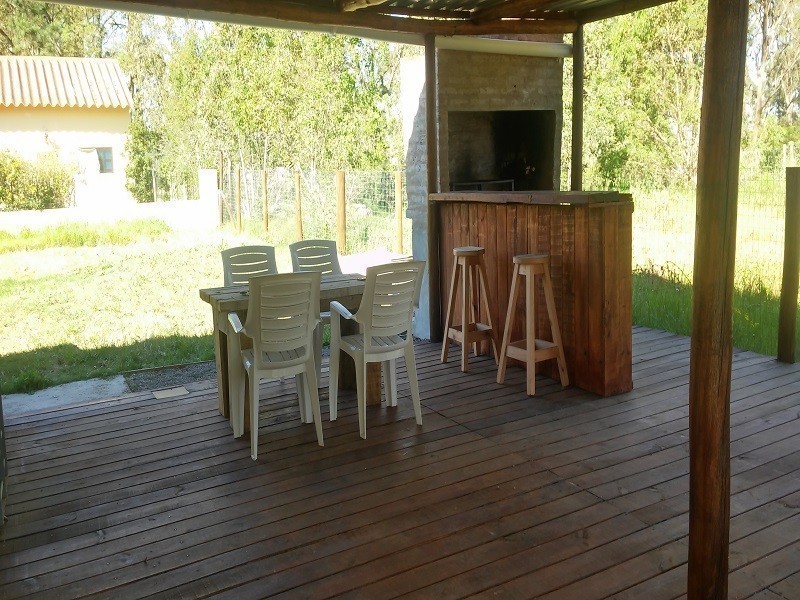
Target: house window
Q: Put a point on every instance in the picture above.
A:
(104, 157)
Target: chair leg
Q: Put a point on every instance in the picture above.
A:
(464, 320)
(313, 394)
(482, 277)
(512, 303)
(473, 301)
(361, 387)
(318, 352)
(530, 333)
(411, 368)
(303, 398)
(253, 381)
(237, 401)
(554, 328)
(389, 368)
(451, 306)
(333, 373)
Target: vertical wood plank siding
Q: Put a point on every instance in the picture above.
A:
(590, 261)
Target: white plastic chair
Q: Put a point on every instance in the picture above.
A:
(391, 293)
(242, 263)
(320, 256)
(315, 255)
(282, 313)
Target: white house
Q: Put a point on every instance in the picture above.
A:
(77, 107)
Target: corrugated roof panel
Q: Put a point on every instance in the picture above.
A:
(58, 81)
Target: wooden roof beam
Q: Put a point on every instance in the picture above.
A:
(506, 10)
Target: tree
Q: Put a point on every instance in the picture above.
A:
(29, 28)
(773, 90)
(774, 65)
(644, 76)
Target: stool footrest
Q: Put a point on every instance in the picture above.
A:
(544, 350)
(480, 333)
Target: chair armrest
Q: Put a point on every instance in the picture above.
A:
(339, 308)
(235, 322)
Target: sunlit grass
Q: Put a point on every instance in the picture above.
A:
(72, 313)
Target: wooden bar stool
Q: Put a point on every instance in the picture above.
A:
(468, 265)
(529, 266)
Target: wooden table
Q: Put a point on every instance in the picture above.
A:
(347, 289)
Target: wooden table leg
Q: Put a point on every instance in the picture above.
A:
(221, 360)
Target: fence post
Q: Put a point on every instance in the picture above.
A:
(239, 199)
(791, 268)
(298, 204)
(341, 213)
(264, 201)
(398, 211)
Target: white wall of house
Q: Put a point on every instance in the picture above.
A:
(74, 134)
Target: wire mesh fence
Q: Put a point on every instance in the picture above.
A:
(284, 205)
(664, 227)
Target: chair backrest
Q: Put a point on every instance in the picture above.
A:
(242, 263)
(315, 255)
(391, 292)
(282, 313)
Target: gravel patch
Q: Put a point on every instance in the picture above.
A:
(172, 376)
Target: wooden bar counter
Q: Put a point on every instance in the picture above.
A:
(588, 238)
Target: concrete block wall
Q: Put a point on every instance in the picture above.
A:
(468, 81)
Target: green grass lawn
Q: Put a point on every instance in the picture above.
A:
(126, 301)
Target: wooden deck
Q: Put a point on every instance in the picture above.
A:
(564, 495)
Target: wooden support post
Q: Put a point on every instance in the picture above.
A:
(264, 200)
(341, 213)
(398, 211)
(715, 248)
(787, 319)
(298, 205)
(576, 171)
(432, 147)
(238, 200)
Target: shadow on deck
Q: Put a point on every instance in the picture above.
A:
(565, 495)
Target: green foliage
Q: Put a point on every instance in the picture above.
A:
(644, 78)
(142, 142)
(773, 136)
(259, 98)
(25, 185)
(29, 28)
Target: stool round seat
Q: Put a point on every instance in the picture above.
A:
(530, 259)
(468, 251)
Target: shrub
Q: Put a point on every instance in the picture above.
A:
(26, 185)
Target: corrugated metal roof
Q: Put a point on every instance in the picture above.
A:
(420, 17)
(40, 81)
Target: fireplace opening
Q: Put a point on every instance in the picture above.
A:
(501, 150)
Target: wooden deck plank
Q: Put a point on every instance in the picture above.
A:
(499, 494)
